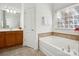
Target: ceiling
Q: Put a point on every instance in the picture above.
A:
(53, 6)
(10, 5)
(56, 6)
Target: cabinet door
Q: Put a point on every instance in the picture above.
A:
(2, 43)
(10, 38)
(19, 37)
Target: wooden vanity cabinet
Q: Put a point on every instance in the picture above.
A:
(11, 38)
(19, 37)
(2, 41)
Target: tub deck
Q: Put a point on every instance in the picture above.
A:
(58, 46)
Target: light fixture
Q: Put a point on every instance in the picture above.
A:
(14, 12)
(7, 10)
(11, 11)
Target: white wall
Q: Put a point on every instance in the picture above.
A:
(43, 10)
(22, 16)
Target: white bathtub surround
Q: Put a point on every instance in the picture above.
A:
(58, 46)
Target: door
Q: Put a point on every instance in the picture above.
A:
(29, 28)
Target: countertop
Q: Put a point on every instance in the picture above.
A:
(2, 30)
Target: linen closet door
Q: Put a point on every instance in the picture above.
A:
(29, 28)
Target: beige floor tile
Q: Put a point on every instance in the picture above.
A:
(20, 51)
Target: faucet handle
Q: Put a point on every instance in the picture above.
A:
(75, 53)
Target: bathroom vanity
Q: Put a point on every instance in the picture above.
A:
(11, 38)
(11, 32)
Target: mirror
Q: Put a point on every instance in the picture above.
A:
(1, 21)
(9, 19)
(12, 20)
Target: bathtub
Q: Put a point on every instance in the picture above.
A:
(58, 46)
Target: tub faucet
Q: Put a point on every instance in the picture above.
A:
(68, 48)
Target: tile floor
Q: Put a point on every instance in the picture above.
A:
(20, 51)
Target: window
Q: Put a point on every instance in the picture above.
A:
(68, 18)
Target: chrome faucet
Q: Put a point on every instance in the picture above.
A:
(68, 48)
